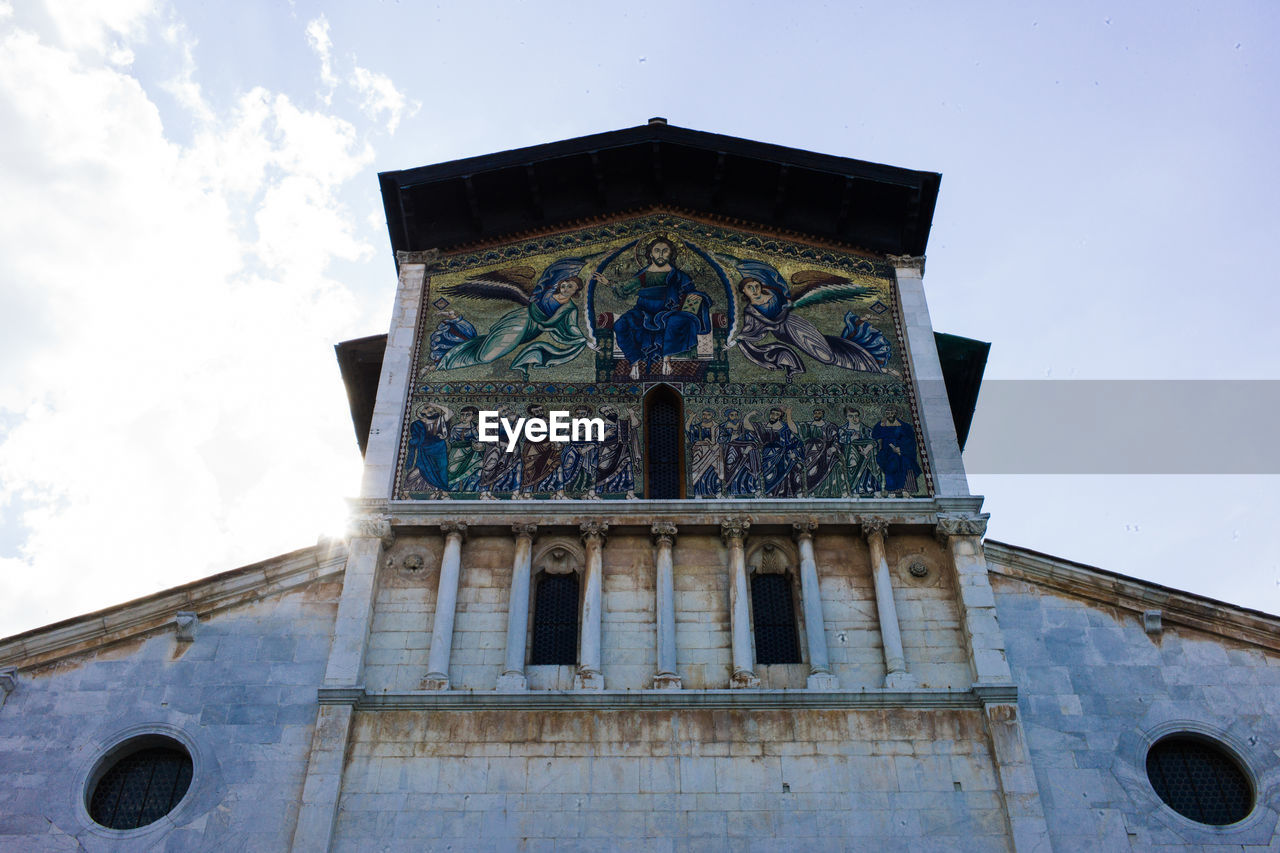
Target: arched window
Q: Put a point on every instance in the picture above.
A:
(664, 444)
(774, 617)
(555, 620)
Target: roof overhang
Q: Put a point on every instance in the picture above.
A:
(876, 208)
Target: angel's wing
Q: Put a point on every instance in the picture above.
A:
(512, 284)
(813, 287)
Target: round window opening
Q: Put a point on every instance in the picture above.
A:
(1199, 780)
(140, 782)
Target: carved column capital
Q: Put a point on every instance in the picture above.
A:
(597, 530)
(525, 531)
(734, 528)
(430, 258)
(449, 528)
(372, 527)
(801, 530)
(908, 262)
(961, 524)
(664, 533)
(872, 525)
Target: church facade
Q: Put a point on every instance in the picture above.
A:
(750, 605)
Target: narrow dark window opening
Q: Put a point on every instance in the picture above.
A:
(774, 616)
(663, 445)
(555, 620)
(141, 788)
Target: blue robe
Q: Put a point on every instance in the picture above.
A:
(896, 466)
(428, 455)
(657, 326)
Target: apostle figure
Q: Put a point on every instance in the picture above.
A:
(897, 453)
(427, 459)
(578, 461)
(706, 464)
(741, 448)
(466, 452)
(858, 454)
(823, 473)
(539, 460)
(781, 455)
(616, 455)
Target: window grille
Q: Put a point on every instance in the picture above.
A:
(1199, 780)
(663, 432)
(141, 788)
(555, 620)
(774, 618)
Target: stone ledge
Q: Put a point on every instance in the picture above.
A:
(1138, 596)
(916, 511)
(156, 612)
(571, 700)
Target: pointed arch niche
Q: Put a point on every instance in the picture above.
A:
(663, 444)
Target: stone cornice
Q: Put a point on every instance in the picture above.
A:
(155, 613)
(686, 513)
(658, 700)
(1112, 590)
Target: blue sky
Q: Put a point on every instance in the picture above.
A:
(191, 220)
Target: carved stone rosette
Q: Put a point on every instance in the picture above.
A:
(372, 527)
(594, 530)
(961, 524)
(734, 528)
(664, 533)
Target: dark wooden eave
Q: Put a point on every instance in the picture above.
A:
(881, 209)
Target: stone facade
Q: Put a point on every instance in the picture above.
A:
(813, 647)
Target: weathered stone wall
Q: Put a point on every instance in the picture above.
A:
(1096, 689)
(243, 694)
(927, 610)
(664, 780)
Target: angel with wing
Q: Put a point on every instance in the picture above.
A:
(771, 332)
(542, 331)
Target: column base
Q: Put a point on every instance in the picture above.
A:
(512, 682)
(587, 680)
(822, 681)
(900, 680)
(743, 679)
(435, 681)
(666, 681)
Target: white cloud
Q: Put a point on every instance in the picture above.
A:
(318, 37)
(96, 25)
(173, 330)
(379, 96)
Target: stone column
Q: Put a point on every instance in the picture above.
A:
(961, 534)
(512, 679)
(815, 628)
(437, 677)
(734, 533)
(664, 539)
(589, 676)
(895, 663)
(934, 407)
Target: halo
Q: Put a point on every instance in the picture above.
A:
(642, 247)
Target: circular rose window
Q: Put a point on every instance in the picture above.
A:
(1199, 780)
(140, 782)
